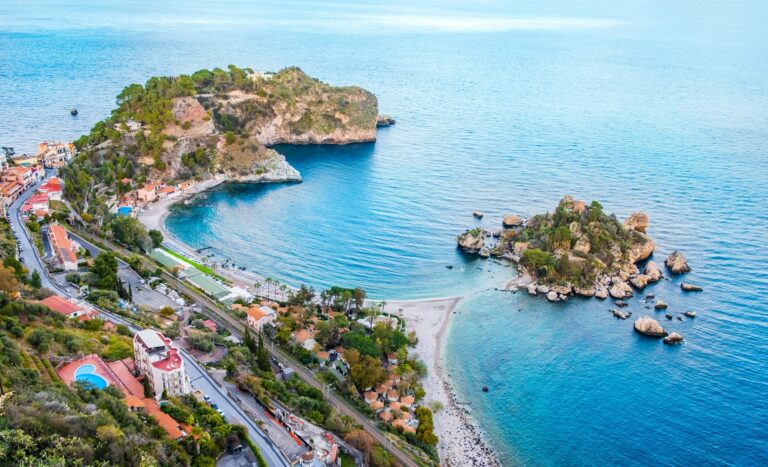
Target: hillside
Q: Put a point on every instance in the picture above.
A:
(213, 122)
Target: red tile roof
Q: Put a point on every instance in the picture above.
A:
(60, 305)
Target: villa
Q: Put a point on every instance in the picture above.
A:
(54, 153)
(147, 193)
(258, 316)
(62, 246)
(37, 204)
(67, 308)
(53, 188)
(160, 361)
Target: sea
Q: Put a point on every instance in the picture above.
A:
(501, 107)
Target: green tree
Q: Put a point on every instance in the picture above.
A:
(35, 280)
(130, 232)
(104, 271)
(157, 238)
(262, 357)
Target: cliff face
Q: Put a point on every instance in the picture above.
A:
(290, 107)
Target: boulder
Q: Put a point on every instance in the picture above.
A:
(584, 291)
(673, 338)
(478, 214)
(690, 287)
(582, 245)
(653, 272)
(472, 241)
(661, 305)
(650, 327)
(484, 252)
(621, 303)
(552, 296)
(601, 292)
(531, 289)
(620, 290)
(668, 316)
(620, 314)
(639, 282)
(676, 263)
(542, 289)
(384, 121)
(637, 221)
(511, 220)
(641, 247)
(562, 289)
(690, 314)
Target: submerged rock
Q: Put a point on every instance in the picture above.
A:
(673, 338)
(690, 287)
(649, 326)
(621, 303)
(677, 263)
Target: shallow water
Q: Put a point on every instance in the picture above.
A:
(655, 106)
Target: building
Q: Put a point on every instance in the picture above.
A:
(66, 308)
(164, 191)
(161, 363)
(53, 188)
(54, 153)
(258, 316)
(24, 176)
(63, 248)
(37, 204)
(147, 193)
(9, 191)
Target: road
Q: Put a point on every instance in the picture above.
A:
(197, 373)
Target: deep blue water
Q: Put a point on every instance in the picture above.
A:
(654, 106)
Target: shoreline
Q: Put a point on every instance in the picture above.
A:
(461, 441)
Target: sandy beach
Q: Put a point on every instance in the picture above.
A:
(461, 442)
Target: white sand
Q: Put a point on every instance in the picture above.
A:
(461, 443)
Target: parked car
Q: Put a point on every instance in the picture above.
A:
(207, 398)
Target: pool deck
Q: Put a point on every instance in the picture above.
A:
(66, 371)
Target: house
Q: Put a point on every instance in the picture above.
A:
(386, 416)
(63, 248)
(37, 204)
(183, 186)
(370, 396)
(407, 401)
(392, 358)
(161, 363)
(258, 316)
(147, 193)
(25, 176)
(53, 188)
(164, 191)
(54, 153)
(66, 308)
(403, 426)
(376, 405)
(393, 395)
(210, 325)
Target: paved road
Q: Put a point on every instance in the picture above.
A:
(202, 380)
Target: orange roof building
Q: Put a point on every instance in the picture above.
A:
(63, 247)
(64, 307)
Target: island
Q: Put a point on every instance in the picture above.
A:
(577, 249)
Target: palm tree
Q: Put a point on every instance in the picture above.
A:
(257, 286)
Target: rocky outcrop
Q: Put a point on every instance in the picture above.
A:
(637, 221)
(690, 287)
(673, 339)
(620, 290)
(584, 291)
(552, 296)
(641, 247)
(273, 169)
(472, 241)
(511, 220)
(650, 327)
(385, 120)
(601, 292)
(653, 272)
(639, 282)
(677, 263)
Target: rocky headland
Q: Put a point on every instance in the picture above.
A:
(214, 123)
(576, 250)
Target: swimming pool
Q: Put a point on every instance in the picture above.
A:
(85, 374)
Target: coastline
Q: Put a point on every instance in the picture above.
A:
(461, 442)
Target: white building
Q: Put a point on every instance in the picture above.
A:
(159, 360)
(258, 316)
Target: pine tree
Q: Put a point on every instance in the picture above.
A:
(249, 342)
(130, 293)
(262, 356)
(35, 281)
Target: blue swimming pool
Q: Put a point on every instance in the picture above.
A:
(85, 374)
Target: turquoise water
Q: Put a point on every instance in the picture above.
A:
(654, 106)
(85, 374)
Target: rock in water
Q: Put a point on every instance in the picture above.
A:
(668, 315)
(478, 214)
(585, 291)
(652, 272)
(511, 220)
(690, 314)
(639, 282)
(620, 290)
(385, 120)
(690, 287)
(485, 388)
(661, 305)
(649, 326)
(472, 241)
(73, 111)
(637, 221)
(601, 293)
(620, 314)
(676, 263)
(552, 296)
(673, 338)
(621, 303)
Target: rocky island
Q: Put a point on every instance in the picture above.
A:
(578, 249)
(213, 124)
